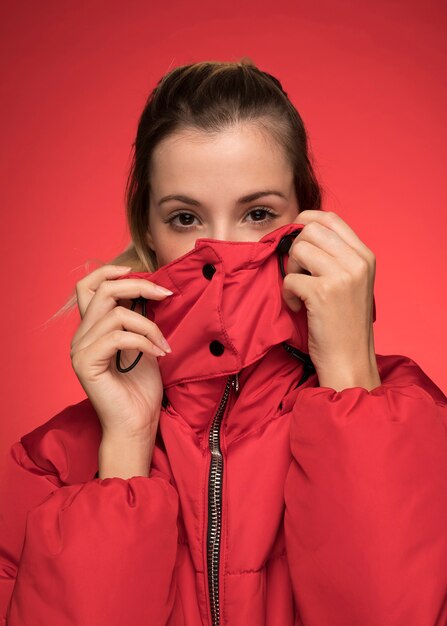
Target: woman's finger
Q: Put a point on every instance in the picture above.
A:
(321, 251)
(87, 286)
(333, 221)
(94, 358)
(310, 258)
(121, 318)
(109, 293)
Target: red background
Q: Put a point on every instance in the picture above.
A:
(368, 79)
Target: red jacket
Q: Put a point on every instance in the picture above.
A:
(315, 507)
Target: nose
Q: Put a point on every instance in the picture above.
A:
(223, 233)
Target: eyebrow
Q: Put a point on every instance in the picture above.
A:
(244, 200)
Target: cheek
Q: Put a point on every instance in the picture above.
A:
(171, 247)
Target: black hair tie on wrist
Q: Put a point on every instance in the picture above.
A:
(118, 354)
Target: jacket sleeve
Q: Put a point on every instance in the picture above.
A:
(95, 553)
(366, 501)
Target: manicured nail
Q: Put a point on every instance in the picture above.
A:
(161, 289)
(165, 344)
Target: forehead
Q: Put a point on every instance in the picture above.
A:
(244, 150)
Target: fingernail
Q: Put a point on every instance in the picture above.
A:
(161, 289)
(165, 344)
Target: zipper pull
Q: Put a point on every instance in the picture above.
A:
(235, 383)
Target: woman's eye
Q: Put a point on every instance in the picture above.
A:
(186, 219)
(262, 211)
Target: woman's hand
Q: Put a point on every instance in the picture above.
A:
(338, 297)
(127, 404)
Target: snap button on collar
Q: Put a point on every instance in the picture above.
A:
(216, 348)
(208, 270)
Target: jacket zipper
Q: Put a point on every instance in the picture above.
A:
(215, 501)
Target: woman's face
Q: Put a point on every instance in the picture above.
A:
(201, 187)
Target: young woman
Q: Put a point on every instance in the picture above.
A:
(242, 456)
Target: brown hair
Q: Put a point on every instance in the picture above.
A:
(209, 96)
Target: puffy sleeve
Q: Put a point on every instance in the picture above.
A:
(366, 501)
(98, 552)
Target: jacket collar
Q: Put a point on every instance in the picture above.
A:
(227, 310)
